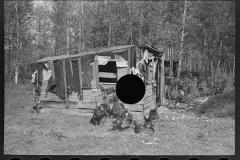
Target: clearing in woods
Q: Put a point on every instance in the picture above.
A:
(177, 132)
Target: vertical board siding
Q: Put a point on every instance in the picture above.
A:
(95, 68)
(80, 77)
(65, 82)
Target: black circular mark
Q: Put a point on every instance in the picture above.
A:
(130, 89)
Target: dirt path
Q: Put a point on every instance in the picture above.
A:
(177, 133)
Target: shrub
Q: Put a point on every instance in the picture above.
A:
(222, 105)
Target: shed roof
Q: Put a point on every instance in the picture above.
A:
(115, 49)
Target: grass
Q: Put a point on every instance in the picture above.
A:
(222, 105)
(52, 133)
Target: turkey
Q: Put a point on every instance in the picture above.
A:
(101, 111)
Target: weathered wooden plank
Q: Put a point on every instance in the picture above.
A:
(94, 80)
(89, 99)
(48, 95)
(149, 87)
(162, 83)
(80, 77)
(73, 100)
(152, 103)
(129, 60)
(74, 95)
(87, 105)
(149, 98)
(141, 102)
(50, 99)
(137, 115)
(94, 99)
(107, 75)
(90, 93)
(103, 83)
(121, 72)
(65, 82)
(134, 107)
(108, 85)
(158, 82)
(148, 92)
(72, 104)
(96, 71)
(72, 112)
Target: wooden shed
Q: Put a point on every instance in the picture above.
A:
(87, 71)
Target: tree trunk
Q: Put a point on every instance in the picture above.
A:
(140, 29)
(186, 64)
(16, 67)
(9, 58)
(16, 63)
(229, 64)
(131, 28)
(182, 39)
(212, 70)
(220, 53)
(114, 35)
(109, 33)
(82, 29)
(67, 39)
(56, 28)
(234, 65)
(110, 26)
(204, 52)
(190, 64)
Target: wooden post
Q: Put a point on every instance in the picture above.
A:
(159, 81)
(36, 93)
(80, 77)
(129, 69)
(96, 71)
(65, 83)
(162, 88)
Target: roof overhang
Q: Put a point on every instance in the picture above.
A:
(114, 50)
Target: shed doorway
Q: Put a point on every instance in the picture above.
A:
(108, 72)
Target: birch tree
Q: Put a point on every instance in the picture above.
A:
(20, 14)
(182, 37)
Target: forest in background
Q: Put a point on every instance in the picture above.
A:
(203, 31)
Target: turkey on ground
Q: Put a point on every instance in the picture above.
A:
(152, 117)
(101, 111)
(145, 127)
